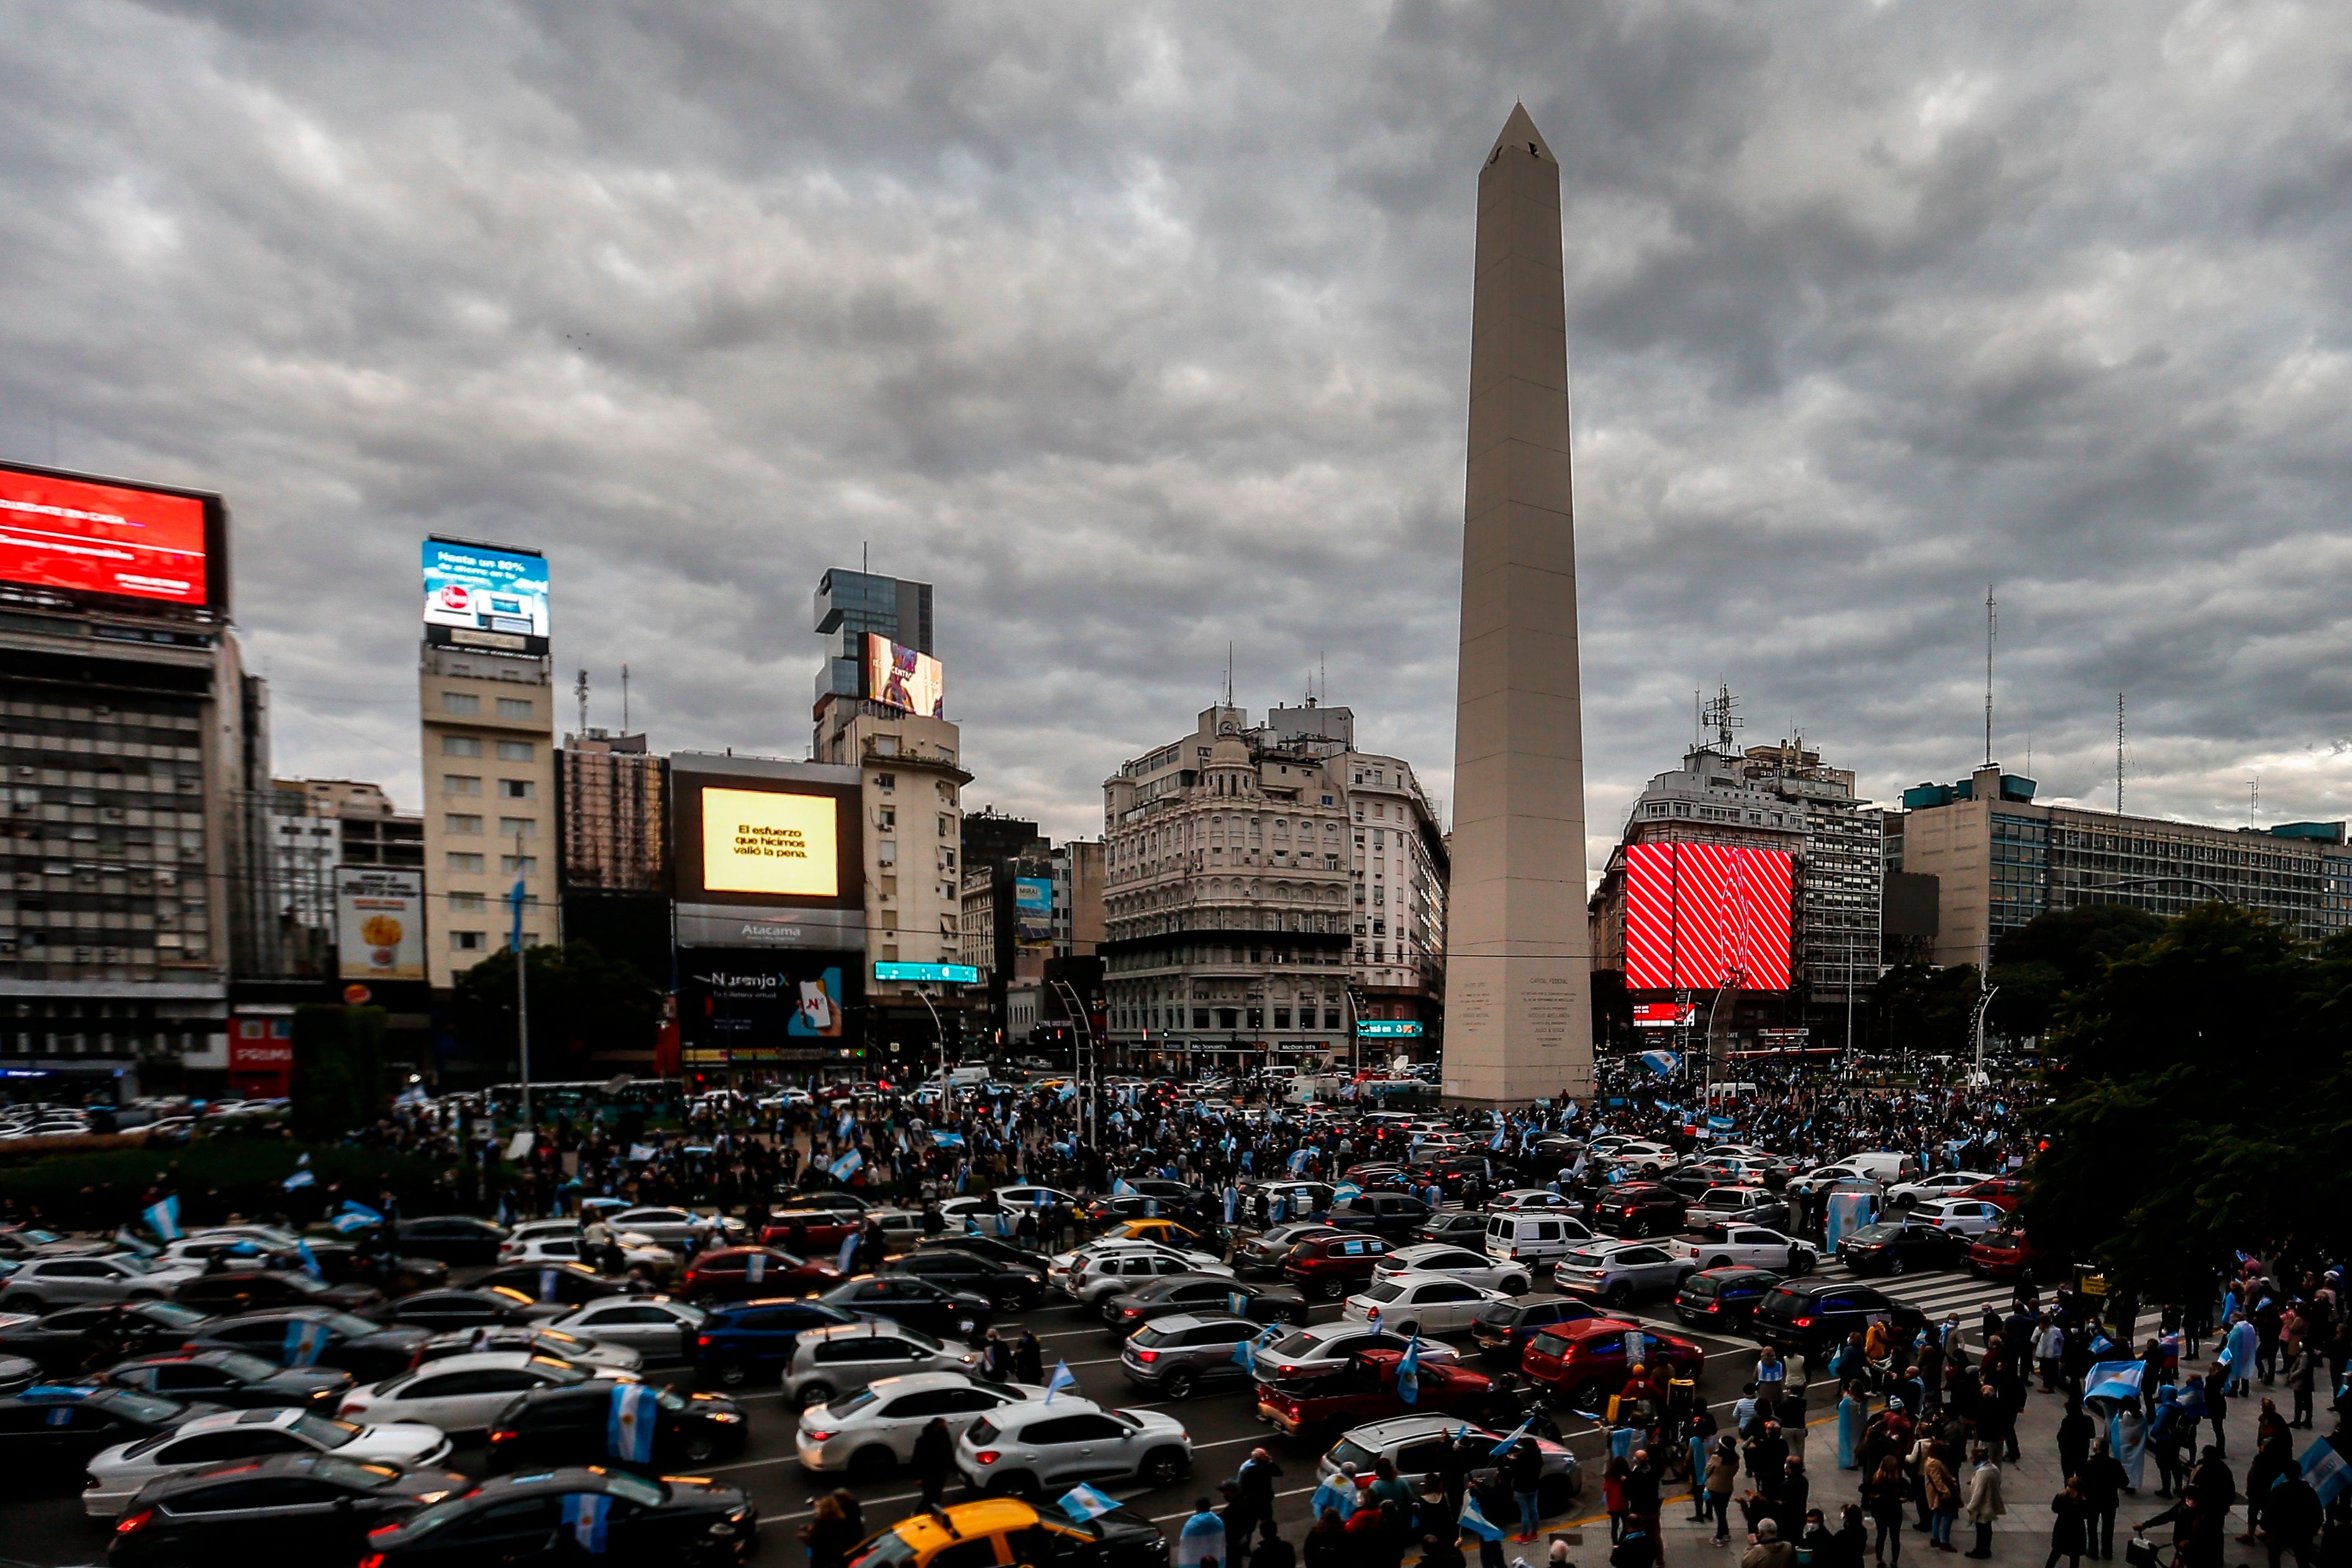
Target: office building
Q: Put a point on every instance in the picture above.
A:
(488, 724)
(1840, 876)
(612, 810)
(1999, 859)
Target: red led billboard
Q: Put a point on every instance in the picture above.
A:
(81, 536)
(1696, 914)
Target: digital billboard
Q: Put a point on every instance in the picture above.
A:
(1388, 1029)
(766, 841)
(1699, 915)
(1664, 1015)
(82, 537)
(1033, 909)
(767, 853)
(742, 1001)
(897, 676)
(944, 974)
(484, 596)
(379, 924)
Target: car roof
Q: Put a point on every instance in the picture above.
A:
(1195, 1318)
(1005, 1417)
(916, 1382)
(488, 1361)
(1322, 1334)
(866, 1328)
(1409, 1276)
(1401, 1429)
(926, 1533)
(561, 1479)
(1427, 1248)
(221, 1420)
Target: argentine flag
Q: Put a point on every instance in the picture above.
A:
(1120, 1189)
(1083, 1503)
(584, 1517)
(310, 1261)
(1495, 1143)
(2324, 1467)
(305, 1338)
(847, 1165)
(1202, 1541)
(299, 1179)
(1660, 1061)
(354, 1217)
(1063, 1379)
(1408, 1374)
(1336, 1494)
(163, 1218)
(1474, 1520)
(1346, 1190)
(1499, 1450)
(629, 1428)
(848, 1250)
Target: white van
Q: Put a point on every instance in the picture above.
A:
(1533, 1237)
(1873, 1165)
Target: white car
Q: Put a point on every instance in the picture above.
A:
(826, 1361)
(117, 1474)
(1532, 1199)
(1966, 1216)
(672, 1228)
(1039, 1449)
(653, 1326)
(636, 1252)
(1947, 1184)
(1431, 1303)
(1750, 1247)
(1617, 1271)
(464, 1392)
(1479, 1268)
(1638, 1155)
(869, 1432)
(45, 1282)
(1326, 1347)
(1109, 1273)
(538, 1339)
(784, 1097)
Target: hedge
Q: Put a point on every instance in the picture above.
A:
(217, 1176)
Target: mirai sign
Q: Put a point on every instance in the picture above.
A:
(1701, 915)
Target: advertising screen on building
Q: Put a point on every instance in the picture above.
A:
(1032, 908)
(765, 854)
(1697, 915)
(379, 924)
(944, 974)
(767, 1006)
(1662, 1014)
(765, 841)
(79, 536)
(899, 677)
(484, 596)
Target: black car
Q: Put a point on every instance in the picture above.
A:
(1691, 1183)
(1723, 1298)
(300, 1508)
(1388, 1213)
(1503, 1329)
(1462, 1228)
(1813, 1317)
(17, 1375)
(571, 1427)
(1171, 1294)
(1639, 1208)
(538, 1518)
(453, 1238)
(233, 1380)
(1902, 1246)
(48, 1429)
(736, 1343)
(316, 1336)
(993, 1248)
(73, 1340)
(252, 1289)
(1007, 1289)
(442, 1311)
(564, 1284)
(341, 1263)
(1451, 1172)
(918, 1303)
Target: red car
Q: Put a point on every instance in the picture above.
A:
(1328, 1267)
(2002, 1192)
(819, 1231)
(1366, 1390)
(1582, 1363)
(2007, 1256)
(730, 1274)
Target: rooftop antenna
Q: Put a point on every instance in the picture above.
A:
(2254, 801)
(1722, 716)
(1992, 630)
(580, 690)
(2119, 754)
(1229, 674)
(625, 699)
(864, 554)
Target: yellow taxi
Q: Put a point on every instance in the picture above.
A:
(1005, 1532)
(1167, 1232)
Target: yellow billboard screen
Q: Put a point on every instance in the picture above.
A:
(766, 841)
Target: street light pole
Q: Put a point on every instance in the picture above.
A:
(522, 991)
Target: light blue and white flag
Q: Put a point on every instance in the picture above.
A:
(848, 1251)
(1063, 1379)
(1719, 1124)
(1120, 1189)
(1499, 1450)
(1474, 1520)
(584, 1519)
(1083, 1503)
(1660, 1061)
(1620, 1442)
(2114, 1380)
(129, 1243)
(354, 1217)
(310, 1261)
(163, 1218)
(755, 1267)
(1337, 1495)
(847, 1165)
(2328, 1470)
(1408, 1372)
(1202, 1541)
(305, 1339)
(1495, 1143)
(629, 1428)
(299, 1179)
(1346, 1190)
(1233, 1204)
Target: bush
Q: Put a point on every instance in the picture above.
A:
(216, 1178)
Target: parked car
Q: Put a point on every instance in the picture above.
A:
(1617, 1271)
(743, 1273)
(1458, 1227)
(1638, 1154)
(1301, 1199)
(1752, 1246)
(1809, 1316)
(1418, 1302)
(231, 1379)
(1321, 1349)
(1639, 1208)
(656, 1327)
(994, 1249)
(1003, 1286)
(1174, 1355)
(464, 1392)
(1902, 1246)
(1393, 1215)
(674, 1228)
(871, 1431)
(1471, 1267)
(1722, 1207)
(918, 1303)
(2007, 1256)
(518, 1518)
(1968, 1216)
(1414, 1444)
(1031, 1450)
(1927, 1189)
(1582, 1363)
(637, 1254)
(313, 1336)
(1365, 1390)
(1723, 1297)
(1176, 1294)
(1095, 1273)
(814, 1228)
(51, 1429)
(117, 1474)
(1007, 1528)
(1532, 1200)
(1267, 1251)
(1327, 1267)
(255, 1290)
(1882, 1167)
(571, 1427)
(827, 1361)
(1502, 1329)
(537, 1339)
(42, 1282)
(441, 1310)
(1533, 1237)
(19, 1243)
(740, 1342)
(307, 1508)
(341, 1263)
(69, 1340)
(559, 1284)
(2002, 1192)
(452, 1238)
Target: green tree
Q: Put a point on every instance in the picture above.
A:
(1922, 1010)
(338, 1082)
(2202, 1105)
(581, 1003)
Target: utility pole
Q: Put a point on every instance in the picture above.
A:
(522, 991)
(1992, 631)
(625, 699)
(580, 690)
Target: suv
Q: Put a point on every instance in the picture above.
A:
(1027, 1450)
(1390, 1214)
(1723, 1298)
(1723, 1207)
(45, 1282)
(1639, 1208)
(1617, 1271)
(1007, 1288)
(1503, 1329)
(1325, 1348)
(1583, 1363)
(1328, 1267)
(1173, 1355)
(1812, 1316)
(1267, 1252)
(1416, 1444)
(1367, 1391)
(736, 1343)
(827, 1359)
(1093, 1279)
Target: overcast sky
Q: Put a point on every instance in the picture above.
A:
(1142, 330)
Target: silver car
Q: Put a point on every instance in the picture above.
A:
(656, 1327)
(1617, 1271)
(572, 1350)
(117, 1474)
(872, 1431)
(1176, 1354)
(1414, 1444)
(828, 1363)
(671, 1227)
(1326, 1347)
(46, 1282)
(1267, 1252)
(1038, 1449)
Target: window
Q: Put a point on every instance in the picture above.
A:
(517, 789)
(1200, 1017)
(461, 702)
(462, 860)
(466, 941)
(461, 784)
(518, 865)
(885, 781)
(460, 746)
(514, 708)
(461, 822)
(886, 852)
(466, 900)
(509, 826)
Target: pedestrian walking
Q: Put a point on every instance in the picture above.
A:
(1983, 1500)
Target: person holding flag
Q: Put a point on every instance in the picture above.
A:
(1202, 1541)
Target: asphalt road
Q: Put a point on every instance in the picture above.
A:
(50, 1530)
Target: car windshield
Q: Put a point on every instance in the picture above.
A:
(144, 1409)
(918, 1338)
(1875, 1233)
(1699, 1285)
(303, 1284)
(635, 1489)
(425, 1521)
(884, 1551)
(852, 1404)
(325, 1433)
(1147, 1336)
(1386, 1291)
(244, 1368)
(171, 1315)
(2000, 1239)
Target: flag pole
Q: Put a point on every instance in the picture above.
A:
(523, 992)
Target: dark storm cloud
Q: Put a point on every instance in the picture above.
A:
(1143, 330)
